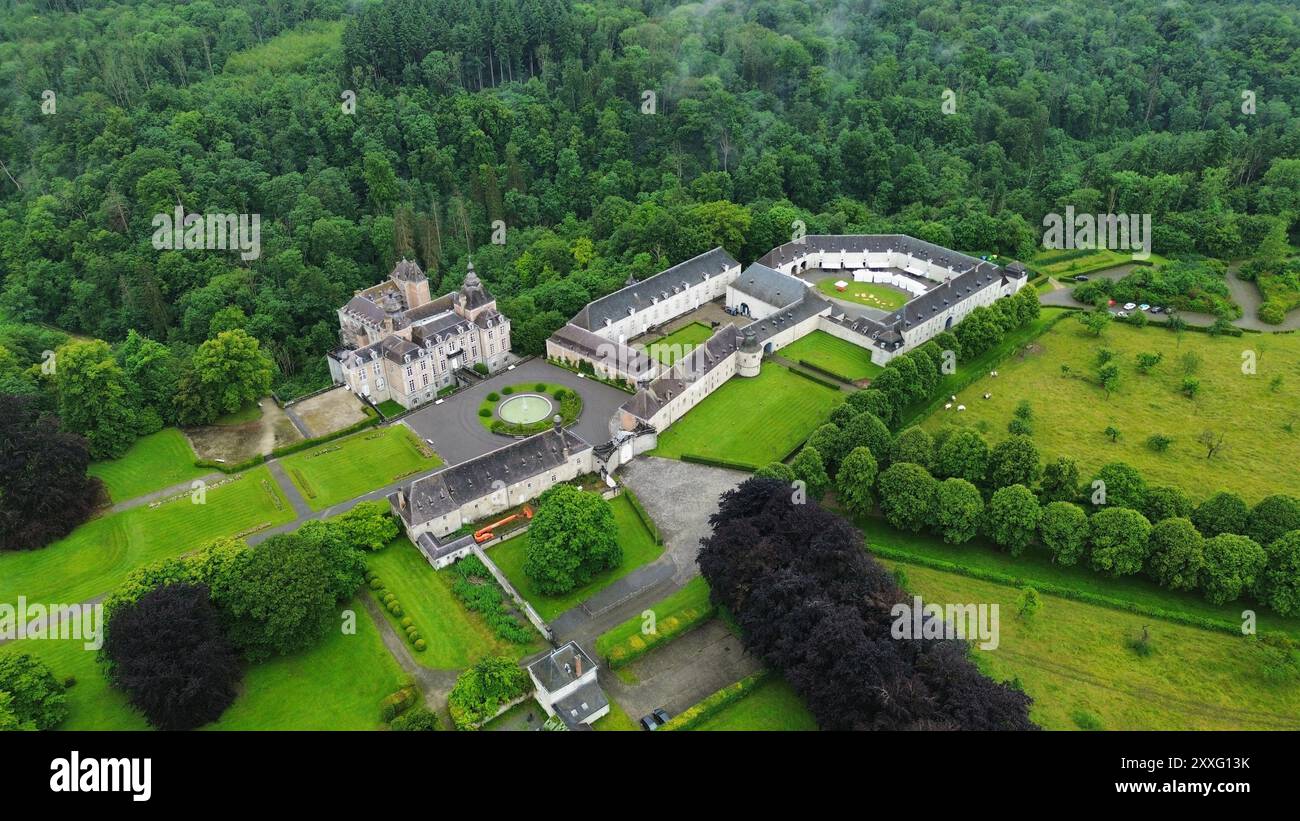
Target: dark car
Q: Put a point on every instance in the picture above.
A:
(657, 718)
(1081, 278)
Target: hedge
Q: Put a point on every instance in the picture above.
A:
(618, 654)
(713, 704)
(372, 419)
(718, 463)
(399, 702)
(812, 378)
(645, 517)
(1060, 591)
(827, 371)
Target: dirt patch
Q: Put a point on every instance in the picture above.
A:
(329, 411)
(238, 443)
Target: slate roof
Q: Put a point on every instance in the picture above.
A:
(558, 668)
(648, 401)
(584, 702)
(792, 314)
(769, 286)
(472, 291)
(448, 489)
(599, 349)
(877, 243)
(642, 295)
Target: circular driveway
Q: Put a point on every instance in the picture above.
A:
(459, 435)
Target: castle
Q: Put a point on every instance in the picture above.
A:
(769, 305)
(400, 344)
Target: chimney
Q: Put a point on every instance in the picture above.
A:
(401, 499)
(577, 665)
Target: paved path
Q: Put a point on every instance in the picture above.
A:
(435, 685)
(165, 493)
(458, 433)
(680, 497)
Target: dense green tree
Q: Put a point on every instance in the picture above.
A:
(1278, 585)
(231, 371)
(958, 510)
(37, 700)
(1123, 486)
(1224, 512)
(1233, 564)
(1120, 540)
(1014, 461)
(1011, 519)
(573, 537)
(914, 445)
(1272, 517)
(963, 455)
(907, 496)
(96, 399)
(855, 480)
(1165, 502)
(1060, 481)
(809, 469)
(1176, 554)
(1063, 530)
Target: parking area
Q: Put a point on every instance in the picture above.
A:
(683, 672)
(458, 434)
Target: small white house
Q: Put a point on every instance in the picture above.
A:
(565, 683)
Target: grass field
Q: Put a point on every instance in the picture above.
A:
(675, 614)
(248, 413)
(456, 637)
(1099, 260)
(154, 462)
(679, 343)
(1035, 567)
(98, 555)
(870, 294)
(1072, 411)
(638, 545)
(772, 705)
(336, 685)
(1072, 658)
(754, 421)
(349, 467)
(833, 354)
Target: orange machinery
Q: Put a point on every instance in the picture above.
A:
(483, 534)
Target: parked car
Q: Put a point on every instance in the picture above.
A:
(1080, 278)
(1144, 307)
(657, 718)
(1121, 314)
(1128, 306)
(1156, 309)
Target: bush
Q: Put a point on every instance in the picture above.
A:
(507, 390)
(421, 645)
(395, 704)
(540, 387)
(485, 412)
(418, 719)
(482, 690)
(713, 704)
(493, 396)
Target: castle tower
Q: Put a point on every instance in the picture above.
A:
(749, 359)
(473, 298)
(413, 283)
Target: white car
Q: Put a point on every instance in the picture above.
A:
(1128, 306)
(1121, 314)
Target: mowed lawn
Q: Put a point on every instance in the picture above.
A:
(1072, 658)
(355, 465)
(772, 705)
(154, 462)
(336, 685)
(638, 545)
(833, 354)
(97, 556)
(679, 343)
(870, 294)
(753, 421)
(1071, 411)
(456, 637)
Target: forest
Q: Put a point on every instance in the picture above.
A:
(608, 138)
